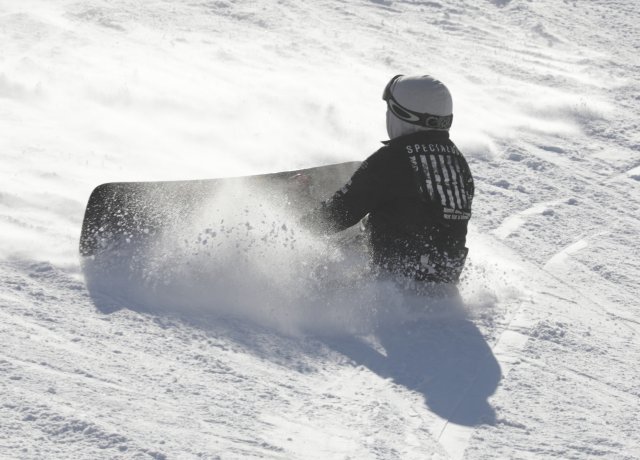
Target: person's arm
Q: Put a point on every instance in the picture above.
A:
(362, 193)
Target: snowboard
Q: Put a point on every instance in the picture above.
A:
(153, 243)
(127, 216)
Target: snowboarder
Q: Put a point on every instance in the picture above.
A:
(417, 190)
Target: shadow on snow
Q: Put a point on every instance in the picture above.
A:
(443, 357)
(446, 360)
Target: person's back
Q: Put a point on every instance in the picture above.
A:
(417, 190)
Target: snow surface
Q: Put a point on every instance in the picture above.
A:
(540, 363)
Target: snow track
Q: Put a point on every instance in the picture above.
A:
(541, 365)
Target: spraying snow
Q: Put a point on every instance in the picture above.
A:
(188, 359)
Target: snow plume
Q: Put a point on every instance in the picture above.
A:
(494, 280)
(243, 255)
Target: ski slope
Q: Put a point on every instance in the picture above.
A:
(230, 356)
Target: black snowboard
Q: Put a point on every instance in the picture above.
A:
(129, 215)
(133, 233)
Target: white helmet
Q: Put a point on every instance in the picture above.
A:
(417, 104)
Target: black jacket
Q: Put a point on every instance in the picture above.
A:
(417, 190)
